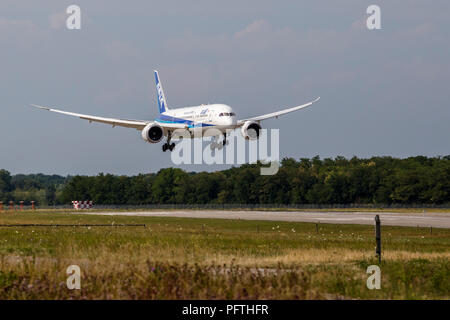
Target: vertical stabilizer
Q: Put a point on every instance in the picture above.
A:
(162, 104)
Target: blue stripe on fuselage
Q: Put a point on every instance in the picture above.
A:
(191, 124)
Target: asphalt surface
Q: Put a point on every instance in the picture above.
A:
(425, 219)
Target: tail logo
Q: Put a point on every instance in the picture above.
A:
(160, 96)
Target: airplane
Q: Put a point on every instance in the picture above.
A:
(193, 119)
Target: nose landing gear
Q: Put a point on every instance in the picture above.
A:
(218, 145)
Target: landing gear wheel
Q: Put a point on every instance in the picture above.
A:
(213, 144)
(171, 147)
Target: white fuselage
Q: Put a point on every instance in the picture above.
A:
(204, 117)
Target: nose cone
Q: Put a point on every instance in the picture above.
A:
(228, 117)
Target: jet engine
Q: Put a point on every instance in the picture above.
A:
(152, 133)
(250, 130)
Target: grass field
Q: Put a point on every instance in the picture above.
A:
(182, 258)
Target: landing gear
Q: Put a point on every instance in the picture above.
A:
(218, 145)
(215, 145)
(168, 145)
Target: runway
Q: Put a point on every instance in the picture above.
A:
(426, 219)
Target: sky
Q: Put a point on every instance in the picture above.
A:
(383, 92)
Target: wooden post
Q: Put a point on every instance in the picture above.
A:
(1, 205)
(378, 237)
(32, 205)
(21, 205)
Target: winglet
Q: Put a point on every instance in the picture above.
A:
(40, 107)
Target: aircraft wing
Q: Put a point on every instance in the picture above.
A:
(276, 114)
(136, 124)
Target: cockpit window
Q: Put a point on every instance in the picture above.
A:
(226, 114)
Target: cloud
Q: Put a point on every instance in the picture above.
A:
(117, 50)
(21, 33)
(257, 37)
(58, 20)
(416, 33)
(360, 24)
(255, 27)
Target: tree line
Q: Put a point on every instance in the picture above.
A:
(378, 180)
(43, 189)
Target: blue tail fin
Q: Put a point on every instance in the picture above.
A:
(162, 104)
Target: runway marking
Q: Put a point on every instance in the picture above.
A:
(429, 219)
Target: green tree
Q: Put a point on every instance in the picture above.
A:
(5, 185)
(50, 195)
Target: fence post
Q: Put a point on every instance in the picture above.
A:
(32, 205)
(378, 237)
(1, 205)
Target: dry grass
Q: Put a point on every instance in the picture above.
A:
(179, 258)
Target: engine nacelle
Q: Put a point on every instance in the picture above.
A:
(250, 130)
(152, 133)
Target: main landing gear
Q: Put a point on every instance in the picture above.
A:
(168, 145)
